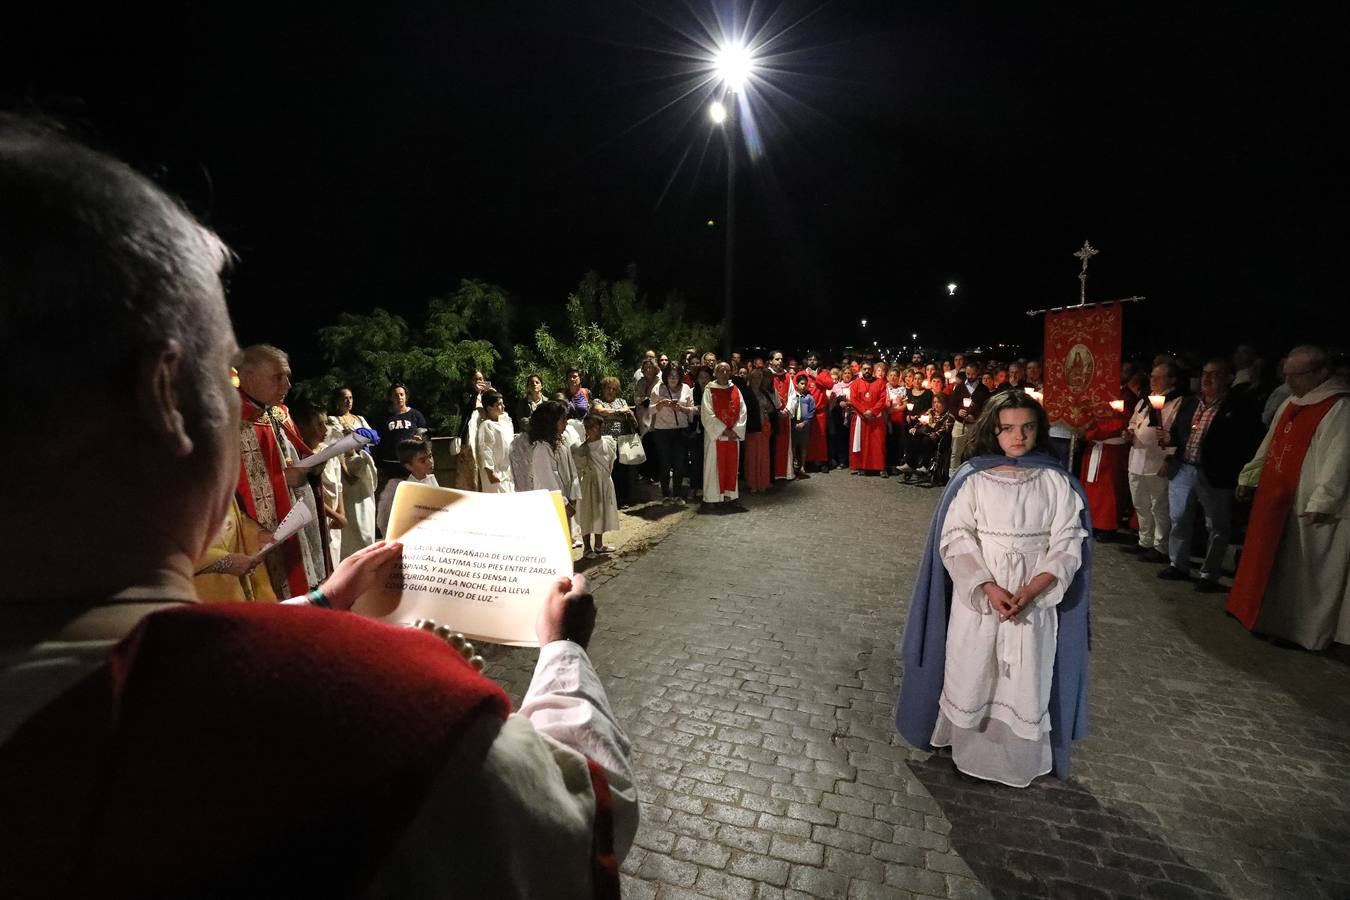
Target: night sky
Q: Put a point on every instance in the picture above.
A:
(356, 158)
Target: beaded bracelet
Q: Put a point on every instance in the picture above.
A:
(456, 640)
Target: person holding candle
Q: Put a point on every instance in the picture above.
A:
(919, 402)
(896, 396)
(1215, 434)
(1146, 435)
(1103, 470)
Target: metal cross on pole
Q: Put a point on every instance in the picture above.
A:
(1085, 254)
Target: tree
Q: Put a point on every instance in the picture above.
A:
(369, 353)
(611, 326)
(590, 350)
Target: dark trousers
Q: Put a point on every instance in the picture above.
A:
(838, 437)
(896, 434)
(918, 450)
(625, 483)
(671, 458)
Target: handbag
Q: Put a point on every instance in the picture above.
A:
(630, 450)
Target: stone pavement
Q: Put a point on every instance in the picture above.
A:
(752, 659)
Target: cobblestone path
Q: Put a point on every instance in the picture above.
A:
(752, 659)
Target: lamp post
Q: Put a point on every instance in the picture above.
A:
(732, 64)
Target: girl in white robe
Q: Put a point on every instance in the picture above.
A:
(1006, 529)
(598, 508)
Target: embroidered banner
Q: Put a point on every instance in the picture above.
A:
(1082, 363)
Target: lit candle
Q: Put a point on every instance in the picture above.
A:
(1034, 394)
(1117, 405)
(909, 406)
(1156, 400)
(925, 419)
(966, 403)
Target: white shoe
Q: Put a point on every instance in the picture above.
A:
(921, 470)
(904, 469)
(603, 549)
(576, 545)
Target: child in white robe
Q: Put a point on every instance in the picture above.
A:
(598, 508)
(1012, 542)
(551, 466)
(494, 442)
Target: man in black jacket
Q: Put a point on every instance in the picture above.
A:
(1214, 434)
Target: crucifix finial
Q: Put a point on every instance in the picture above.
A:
(1085, 254)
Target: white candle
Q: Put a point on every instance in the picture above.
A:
(1034, 394)
(909, 406)
(966, 403)
(925, 418)
(1117, 405)
(1156, 400)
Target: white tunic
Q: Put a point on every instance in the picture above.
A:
(1005, 525)
(358, 494)
(494, 452)
(598, 508)
(1307, 600)
(713, 429)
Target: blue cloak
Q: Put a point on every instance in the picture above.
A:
(923, 649)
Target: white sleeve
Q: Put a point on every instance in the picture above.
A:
(959, 545)
(486, 458)
(386, 504)
(544, 468)
(567, 702)
(1327, 458)
(1065, 553)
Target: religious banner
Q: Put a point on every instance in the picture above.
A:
(1082, 363)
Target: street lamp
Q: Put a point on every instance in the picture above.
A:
(864, 323)
(732, 63)
(951, 289)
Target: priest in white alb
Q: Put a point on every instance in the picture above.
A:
(723, 415)
(1293, 581)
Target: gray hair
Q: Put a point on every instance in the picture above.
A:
(97, 267)
(1317, 357)
(257, 354)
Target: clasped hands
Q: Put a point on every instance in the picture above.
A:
(1007, 605)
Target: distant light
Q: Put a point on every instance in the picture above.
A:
(864, 323)
(874, 343)
(711, 223)
(734, 63)
(951, 289)
(717, 112)
(913, 337)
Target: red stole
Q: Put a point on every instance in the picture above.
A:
(1273, 504)
(726, 404)
(265, 424)
(221, 750)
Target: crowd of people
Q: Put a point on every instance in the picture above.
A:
(1169, 466)
(125, 697)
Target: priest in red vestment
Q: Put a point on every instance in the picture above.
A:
(867, 437)
(723, 415)
(1293, 581)
(269, 486)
